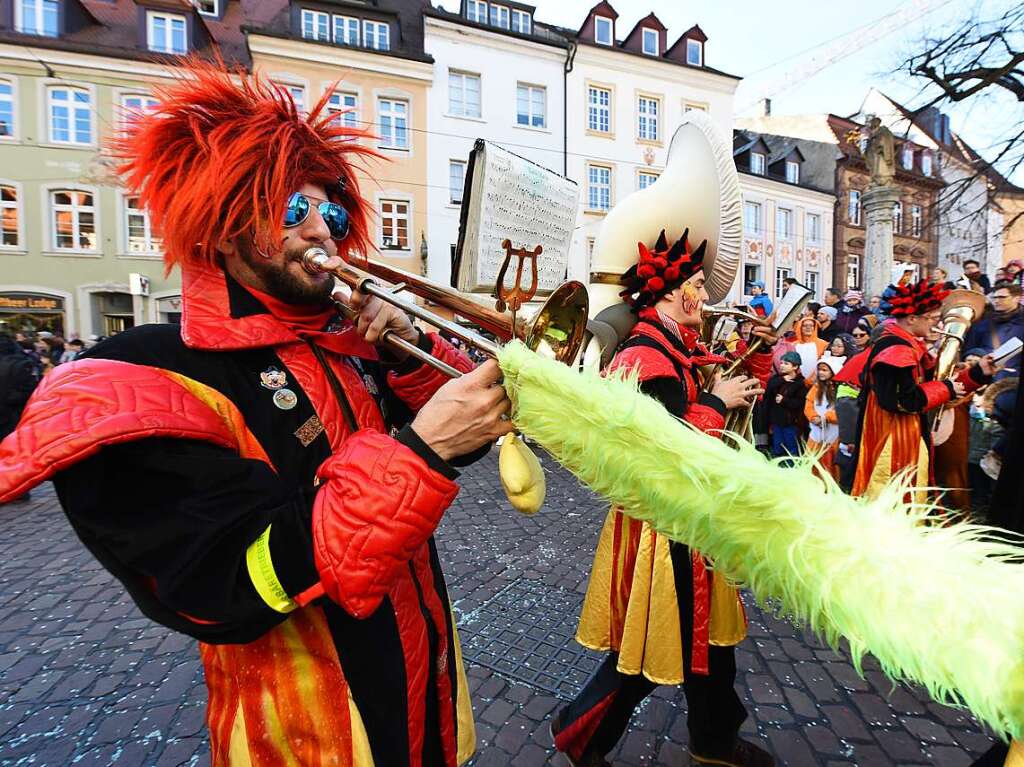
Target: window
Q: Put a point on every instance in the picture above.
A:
(811, 281)
(926, 163)
(531, 105)
(393, 119)
(647, 118)
(757, 163)
(897, 217)
(316, 25)
(853, 208)
(394, 225)
(521, 22)
(752, 217)
(599, 114)
(346, 30)
(207, 7)
(792, 172)
(695, 53)
(908, 157)
(36, 17)
(138, 231)
(345, 106)
(9, 231)
(852, 271)
(780, 274)
(784, 223)
(298, 94)
(645, 178)
(456, 180)
(751, 273)
(463, 94)
(603, 30)
(650, 41)
(813, 222)
(70, 112)
(862, 144)
(377, 35)
(499, 16)
(916, 220)
(166, 33)
(135, 106)
(73, 220)
(6, 108)
(599, 187)
(476, 10)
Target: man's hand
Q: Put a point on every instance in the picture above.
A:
(988, 366)
(465, 413)
(738, 391)
(959, 388)
(766, 332)
(376, 317)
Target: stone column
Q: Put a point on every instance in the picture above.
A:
(877, 203)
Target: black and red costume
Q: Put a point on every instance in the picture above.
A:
(290, 534)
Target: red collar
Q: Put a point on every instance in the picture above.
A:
(208, 322)
(654, 328)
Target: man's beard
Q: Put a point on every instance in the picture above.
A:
(279, 282)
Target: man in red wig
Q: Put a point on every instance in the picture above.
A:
(651, 602)
(265, 478)
(893, 434)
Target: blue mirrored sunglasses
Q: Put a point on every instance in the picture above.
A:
(333, 214)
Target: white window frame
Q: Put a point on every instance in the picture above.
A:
(907, 157)
(38, 21)
(610, 41)
(753, 209)
(530, 115)
(792, 172)
(396, 217)
(650, 175)
(852, 271)
(170, 19)
(916, 221)
(647, 122)
(781, 273)
(784, 216)
(646, 33)
(128, 113)
(390, 140)
(347, 114)
(523, 20)
(319, 23)
(853, 211)
(344, 25)
(897, 217)
(758, 163)
(597, 110)
(51, 87)
(153, 245)
(694, 46)
(813, 281)
(812, 223)
(51, 219)
(926, 163)
(456, 189)
(20, 246)
(369, 24)
(12, 82)
(199, 7)
(457, 81)
(751, 274)
(597, 186)
(473, 11)
(500, 16)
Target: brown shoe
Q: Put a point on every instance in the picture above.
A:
(742, 754)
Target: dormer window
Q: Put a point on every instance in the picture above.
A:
(521, 22)
(376, 35)
(316, 25)
(207, 7)
(476, 10)
(792, 172)
(926, 163)
(695, 53)
(908, 158)
(166, 33)
(603, 30)
(500, 16)
(650, 41)
(36, 17)
(757, 163)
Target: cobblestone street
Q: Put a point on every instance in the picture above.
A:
(85, 680)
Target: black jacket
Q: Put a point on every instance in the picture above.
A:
(17, 382)
(794, 394)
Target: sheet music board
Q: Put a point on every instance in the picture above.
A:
(509, 197)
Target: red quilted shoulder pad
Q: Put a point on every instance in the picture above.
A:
(647, 362)
(415, 388)
(705, 418)
(936, 393)
(897, 355)
(82, 406)
(759, 365)
(379, 503)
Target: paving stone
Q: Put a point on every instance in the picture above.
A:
(926, 730)
(790, 747)
(899, 745)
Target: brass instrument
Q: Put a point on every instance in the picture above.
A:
(556, 330)
(959, 311)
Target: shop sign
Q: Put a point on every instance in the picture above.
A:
(26, 302)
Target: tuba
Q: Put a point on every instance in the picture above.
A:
(959, 311)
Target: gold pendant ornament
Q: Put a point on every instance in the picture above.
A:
(521, 475)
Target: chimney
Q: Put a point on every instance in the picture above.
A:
(766, 107)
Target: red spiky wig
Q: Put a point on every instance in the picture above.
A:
(661, 270)
(219, 156)
(916, 298)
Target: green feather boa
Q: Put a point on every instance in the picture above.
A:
(940, 606)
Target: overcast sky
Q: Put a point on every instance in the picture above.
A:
(776, 46)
